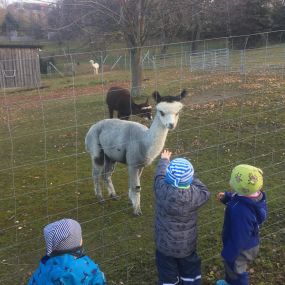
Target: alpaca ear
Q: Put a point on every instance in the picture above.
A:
(156, 96)
(183, 93)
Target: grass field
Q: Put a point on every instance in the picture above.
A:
(45, 173)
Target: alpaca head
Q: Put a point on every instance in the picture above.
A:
(168, 113)
(158, 98)
(168, 108)
(92, 61)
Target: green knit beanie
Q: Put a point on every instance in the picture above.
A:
(246, 179)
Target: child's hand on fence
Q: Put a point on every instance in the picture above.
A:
(166, 154)
(220, 196)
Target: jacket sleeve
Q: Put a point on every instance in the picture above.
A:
(99, 278)
(160, 173)
(227, 197)
(201, 193)
(261, 215)
(239, 235)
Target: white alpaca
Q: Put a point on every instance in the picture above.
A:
(95, 66)
(113, 140)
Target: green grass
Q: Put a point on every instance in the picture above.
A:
(45, 173)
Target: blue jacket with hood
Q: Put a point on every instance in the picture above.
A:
(243, 215)
(67, 269)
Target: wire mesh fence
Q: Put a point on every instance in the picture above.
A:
(234, 113)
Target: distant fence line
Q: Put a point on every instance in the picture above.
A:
(266, 59)
(232, 55)
(258, 52)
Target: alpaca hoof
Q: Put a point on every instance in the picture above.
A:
(114, 197)
(138, 212)
(101, 200)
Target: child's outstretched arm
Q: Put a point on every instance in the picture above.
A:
(224, 197)
(166, 154)
(220, 196)
(161, 168)
(162, 164)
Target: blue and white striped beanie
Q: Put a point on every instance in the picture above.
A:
(63, 235)
(179, 173)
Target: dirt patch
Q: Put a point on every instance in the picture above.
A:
(211, 96)
(32, 98)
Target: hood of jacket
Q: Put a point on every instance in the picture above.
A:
(258, 205)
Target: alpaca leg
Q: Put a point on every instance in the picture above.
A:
(120, 116)
(135, 189)
(97, 172)
(140, 172)
(108, 171)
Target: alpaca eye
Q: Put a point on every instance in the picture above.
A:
(161, 113)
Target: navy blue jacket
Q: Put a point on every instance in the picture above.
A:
(243, 215)
(176, 214)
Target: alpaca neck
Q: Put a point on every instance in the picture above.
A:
(155, 139)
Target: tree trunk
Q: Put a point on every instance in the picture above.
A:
(164, 46)
(195, 41)
(196, 34)
(136, 70)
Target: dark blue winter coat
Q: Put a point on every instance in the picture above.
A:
(243, 215)
(67, 269)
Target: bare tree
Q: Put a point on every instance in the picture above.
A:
(136, 17)
(169, 21)
(194, 18)
(139, 20)
(133, 18)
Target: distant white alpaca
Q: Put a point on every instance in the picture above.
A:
(95, 66)
(113, 140)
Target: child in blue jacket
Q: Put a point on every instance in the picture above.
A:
(245, 211)
(65, 263)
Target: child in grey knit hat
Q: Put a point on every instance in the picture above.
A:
(62, 235)
(64, 262)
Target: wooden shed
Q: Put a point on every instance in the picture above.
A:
(19, 66)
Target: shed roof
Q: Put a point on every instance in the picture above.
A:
(17, 45)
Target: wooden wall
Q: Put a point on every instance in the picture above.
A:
(19, 67)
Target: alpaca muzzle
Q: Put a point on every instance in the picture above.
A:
(170, 126)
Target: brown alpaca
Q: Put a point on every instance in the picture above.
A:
(120, 100)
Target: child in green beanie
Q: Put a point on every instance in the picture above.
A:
(246, 210)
